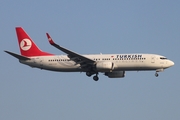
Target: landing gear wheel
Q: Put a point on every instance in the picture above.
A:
(156, 74)
(88, 74)
(95, 78)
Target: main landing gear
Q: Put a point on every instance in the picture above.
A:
(89, 74)
(95, 78)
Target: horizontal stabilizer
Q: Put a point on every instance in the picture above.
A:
(18, 56)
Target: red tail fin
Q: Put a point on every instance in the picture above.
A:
(27, 46)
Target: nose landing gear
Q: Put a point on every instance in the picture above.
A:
(156, 74)
(158, 70)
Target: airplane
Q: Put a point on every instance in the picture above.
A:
(112, 65)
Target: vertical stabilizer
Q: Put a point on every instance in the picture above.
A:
(27, 46)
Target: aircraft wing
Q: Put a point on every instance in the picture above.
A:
(79, 59)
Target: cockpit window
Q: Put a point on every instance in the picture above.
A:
(163, 58)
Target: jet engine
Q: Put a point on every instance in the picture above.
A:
(115, 74)
(104, 66)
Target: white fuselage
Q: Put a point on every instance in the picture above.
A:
(122, 62)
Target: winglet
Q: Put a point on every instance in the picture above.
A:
(50, 39)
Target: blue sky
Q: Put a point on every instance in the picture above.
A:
(141, 26)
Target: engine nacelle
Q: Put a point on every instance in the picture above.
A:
(104, 66)
(115, 74)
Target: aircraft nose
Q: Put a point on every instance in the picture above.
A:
(171, 63)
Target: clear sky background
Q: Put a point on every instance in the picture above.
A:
(118, 26)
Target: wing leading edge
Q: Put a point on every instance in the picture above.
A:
(79, 59)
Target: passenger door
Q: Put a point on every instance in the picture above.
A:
(153, 59)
